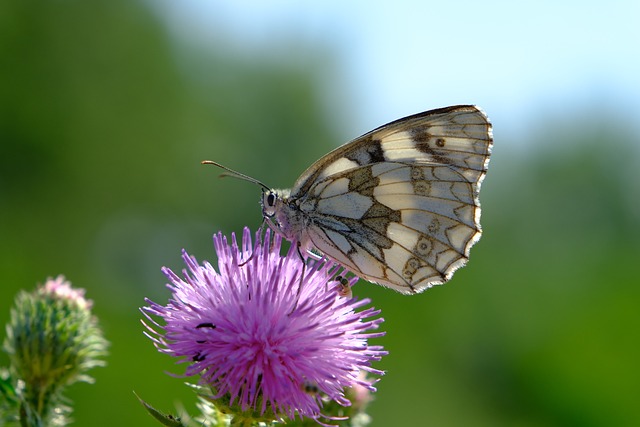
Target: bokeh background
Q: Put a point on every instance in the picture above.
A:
(107, 107)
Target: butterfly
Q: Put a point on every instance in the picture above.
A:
(398, 206)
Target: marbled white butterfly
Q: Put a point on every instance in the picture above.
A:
(399, 205)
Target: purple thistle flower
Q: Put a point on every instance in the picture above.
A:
(259, 336)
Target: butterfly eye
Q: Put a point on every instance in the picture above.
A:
(268, 204)
(271, 200)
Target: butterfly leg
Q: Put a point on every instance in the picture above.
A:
(243, 263)
(260, 229)
(304, 268)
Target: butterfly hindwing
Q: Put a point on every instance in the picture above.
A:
(406, 226)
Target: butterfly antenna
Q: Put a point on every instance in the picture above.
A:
(234, 174)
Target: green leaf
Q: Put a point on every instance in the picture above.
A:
(165, 419)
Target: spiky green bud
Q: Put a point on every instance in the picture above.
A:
(52, 341)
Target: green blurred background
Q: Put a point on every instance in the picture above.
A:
(106, 110)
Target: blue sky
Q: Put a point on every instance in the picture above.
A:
(520, 61)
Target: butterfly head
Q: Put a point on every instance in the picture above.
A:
(268, 203)
(272, 202)
(276, 210)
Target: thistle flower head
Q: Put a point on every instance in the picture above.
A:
(59, 288)
(261, 338)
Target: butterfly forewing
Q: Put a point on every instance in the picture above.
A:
(459, 136)
(399, 205)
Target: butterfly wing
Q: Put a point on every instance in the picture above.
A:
(459, 136)
(399, 205)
